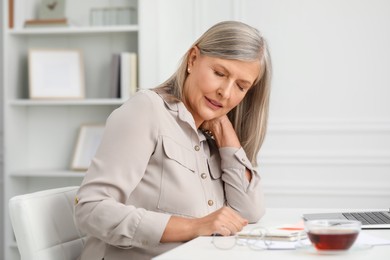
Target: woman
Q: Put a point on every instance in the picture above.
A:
(177, 162)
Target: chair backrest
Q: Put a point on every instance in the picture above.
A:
(44, 226)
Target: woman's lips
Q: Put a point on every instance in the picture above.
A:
(213, 104)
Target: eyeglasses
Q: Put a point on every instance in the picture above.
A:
(255, 239)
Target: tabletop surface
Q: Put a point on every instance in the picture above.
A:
(202, 248)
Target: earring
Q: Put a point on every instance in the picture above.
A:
(188, 70)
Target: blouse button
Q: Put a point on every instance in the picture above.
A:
(203, 176)
(197, 148)
(210, 202)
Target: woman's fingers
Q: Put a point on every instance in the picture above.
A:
(228, 222)
(224, 221)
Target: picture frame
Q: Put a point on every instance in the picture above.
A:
(88, 141)
(56, 74)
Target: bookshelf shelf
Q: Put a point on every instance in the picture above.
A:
(47, 173)
(83, 102)
(75, 30)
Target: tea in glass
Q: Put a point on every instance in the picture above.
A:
(332, 234)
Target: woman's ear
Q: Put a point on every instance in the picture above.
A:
(193, 55)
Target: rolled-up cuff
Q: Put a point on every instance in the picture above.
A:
(150, 229)
(234, 162)
(228, 153)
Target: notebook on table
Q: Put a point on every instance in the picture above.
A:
(369, 219)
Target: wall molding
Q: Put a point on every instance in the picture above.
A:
(329, 125)
(311, 189)
(343, 158)
(376, 129)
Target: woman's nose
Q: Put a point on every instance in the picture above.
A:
(225, 90)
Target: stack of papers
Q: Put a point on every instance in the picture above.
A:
(276, 238)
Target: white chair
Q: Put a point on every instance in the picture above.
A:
(44, 227)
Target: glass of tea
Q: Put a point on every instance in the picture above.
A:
(332, 234)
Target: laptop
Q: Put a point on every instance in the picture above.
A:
(369, 219)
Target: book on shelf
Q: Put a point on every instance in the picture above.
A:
(123, 77)
(46, 23)
(115, 76)
(128, 74)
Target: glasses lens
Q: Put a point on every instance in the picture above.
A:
(221, 242)
(256, 240)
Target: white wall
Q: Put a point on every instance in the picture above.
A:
(329, 138)
(328, 143)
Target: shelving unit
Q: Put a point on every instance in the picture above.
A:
(40, 135)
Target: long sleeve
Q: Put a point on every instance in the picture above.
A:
(119, 165)
(243, 196)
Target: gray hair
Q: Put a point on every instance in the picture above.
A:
(233, 40)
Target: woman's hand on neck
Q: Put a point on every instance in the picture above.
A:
(223, 132)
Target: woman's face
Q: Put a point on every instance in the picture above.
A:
(215, 86)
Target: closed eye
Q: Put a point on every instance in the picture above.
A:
(219, 74)
(242, 89)
(242, 86)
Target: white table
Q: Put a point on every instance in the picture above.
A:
(202, 248)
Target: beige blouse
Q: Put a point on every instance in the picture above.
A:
(153, 163)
